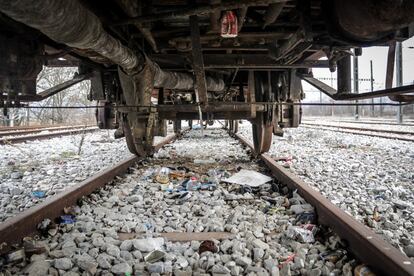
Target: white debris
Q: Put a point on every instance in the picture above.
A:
(249, 178)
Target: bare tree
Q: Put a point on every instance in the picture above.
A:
(50, 110)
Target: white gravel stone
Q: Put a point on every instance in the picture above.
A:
(220, 269)
(63, 263)
(37, 268)
(148, 245)
(243, 261)
(112, 250)
(260, 244)
(285, 271)
(258, 254)
(87, 263)
(121, 269)
(103, 261)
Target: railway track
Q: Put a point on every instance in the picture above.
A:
(367, 246)
(18, 128)
(408, 123)
(409, 136)
(43, 136)
(13, 230)
(363, 242)
(18, 132)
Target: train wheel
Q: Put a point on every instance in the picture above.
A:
(139, 129)
(262, 135)
(128, 136)
(262, 127)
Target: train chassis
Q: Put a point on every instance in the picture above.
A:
(269, 99)
(178, 61)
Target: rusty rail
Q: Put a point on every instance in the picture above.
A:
(349, 130)
(7, 128)
(406, 122)
(12, 132)
(363, 242)
(21, 139)
(13, 230)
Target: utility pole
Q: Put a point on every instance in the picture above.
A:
(28, 116)
(356, 84)
(320, 101)
(399, 78)
(6, 116)
(332, 107)
(372, 89)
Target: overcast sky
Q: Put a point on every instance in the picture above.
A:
(378, 55)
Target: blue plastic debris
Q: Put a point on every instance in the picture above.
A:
(67, 219)
(39, 194)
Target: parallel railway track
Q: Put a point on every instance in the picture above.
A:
(363, 122)
(43, 136)
(18, 128)
(381, 133)
(367, 246)
(19, 131)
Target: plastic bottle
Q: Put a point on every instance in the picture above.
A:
(163, 176)
(363, 270)
(193, 184)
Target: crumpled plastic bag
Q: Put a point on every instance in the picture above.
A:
(300, 234)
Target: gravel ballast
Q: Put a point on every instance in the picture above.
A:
(370, 178)
(49, 166)
(122, 228)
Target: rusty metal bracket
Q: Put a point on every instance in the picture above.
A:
(390, 64)
(198, 63)
(333, 93)
(53, 90)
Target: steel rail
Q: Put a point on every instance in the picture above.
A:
(10, 128)
(405, 123)
(330, 128)
(21, 139)
(366, 245)
(37, 130)
(362, 129)
(13, 230)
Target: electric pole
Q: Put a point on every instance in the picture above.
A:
(356, 83)
(372, 89)
(399, 74)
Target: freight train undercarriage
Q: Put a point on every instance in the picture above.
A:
(152, 61)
